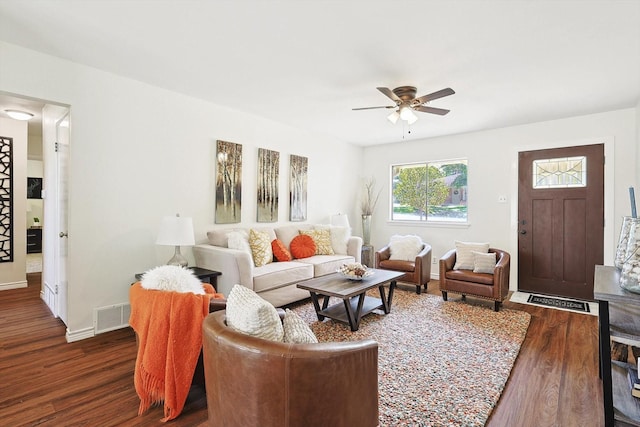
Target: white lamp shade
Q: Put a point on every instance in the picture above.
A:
(340, 220)
(176, 231)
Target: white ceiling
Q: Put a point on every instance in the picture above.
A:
(307, 63)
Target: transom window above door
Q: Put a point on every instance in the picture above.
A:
(560, 173)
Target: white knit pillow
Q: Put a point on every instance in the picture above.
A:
(464, 254)
(296, 331)
(405, 248)
(172, 278)
(484, 263)
(249, 313)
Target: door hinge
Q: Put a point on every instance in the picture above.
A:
(56, 289)
(57, 146)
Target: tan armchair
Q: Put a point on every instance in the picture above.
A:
(255, 382)
(417, 271)
(493, 287)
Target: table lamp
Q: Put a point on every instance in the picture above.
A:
(340, 220)
(176, 231)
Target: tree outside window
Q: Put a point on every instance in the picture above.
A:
(431, 192)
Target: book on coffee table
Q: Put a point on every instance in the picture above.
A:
(634, 382)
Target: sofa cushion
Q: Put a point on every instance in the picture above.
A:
(322, 239)
(280, 251)
(397, 265)
(484, 263)
(405, 248)
(296, 331)
(470, 276)
(288, 232)
(220, 237)
(239, 240)
(464, 254)
(303, 246)
(260, 244)
(327, 264)
(249, 313)
(279, 274)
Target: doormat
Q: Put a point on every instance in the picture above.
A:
(559, 303)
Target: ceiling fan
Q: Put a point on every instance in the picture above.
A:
(406, 103)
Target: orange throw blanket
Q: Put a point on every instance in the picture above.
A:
(169, 329)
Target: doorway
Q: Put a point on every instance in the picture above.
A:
(560, 220)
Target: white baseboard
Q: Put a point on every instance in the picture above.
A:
(13, 285)
(82, 334)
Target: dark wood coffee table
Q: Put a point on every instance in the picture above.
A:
(355, 302)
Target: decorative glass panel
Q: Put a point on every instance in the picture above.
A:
(560, 173)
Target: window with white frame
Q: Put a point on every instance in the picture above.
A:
(429, 191)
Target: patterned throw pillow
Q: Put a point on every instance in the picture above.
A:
(296, 331)
(260, 244)
(247, 312)
(322, 239)
(302, 246)
(280, 251)
(339, 237)
(484, 263)
(464, 254)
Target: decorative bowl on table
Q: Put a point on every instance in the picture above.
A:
(355, 271)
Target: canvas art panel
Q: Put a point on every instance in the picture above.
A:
(6, 199)
(268, 179)
(228, 182)
(298, 188)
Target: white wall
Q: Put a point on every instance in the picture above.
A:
(13, 274)
(138, 153)
(492, 171)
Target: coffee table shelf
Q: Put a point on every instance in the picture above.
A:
(355, 303)
(338, 312)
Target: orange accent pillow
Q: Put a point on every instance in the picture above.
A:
(303, 246)
(280, 251)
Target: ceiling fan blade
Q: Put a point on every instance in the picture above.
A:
(389, 94)
(435, 95)
(432, 110)
(373, 108)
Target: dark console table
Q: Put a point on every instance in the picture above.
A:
(206, 276)
(619, 320)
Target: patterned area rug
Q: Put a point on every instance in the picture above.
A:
(439, 363)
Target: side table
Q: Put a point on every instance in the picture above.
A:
(206, 276)
(366, 256)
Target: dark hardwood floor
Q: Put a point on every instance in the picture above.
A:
(45, 381)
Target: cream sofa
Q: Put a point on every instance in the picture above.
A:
(275, 282)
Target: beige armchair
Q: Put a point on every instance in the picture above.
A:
(255, 382)
(417, 271)
(494, 287)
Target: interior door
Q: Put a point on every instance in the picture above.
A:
(62, 161)
(560, 220)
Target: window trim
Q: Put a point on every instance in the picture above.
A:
(425, 223)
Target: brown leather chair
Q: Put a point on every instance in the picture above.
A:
(493, 287)
(255, 382)
(417, 271)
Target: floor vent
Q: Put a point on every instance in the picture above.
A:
(111, 317)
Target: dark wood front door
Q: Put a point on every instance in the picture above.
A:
(560, 226)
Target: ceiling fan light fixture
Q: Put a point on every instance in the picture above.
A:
(18, 115)
(393, 117)
(407, 114)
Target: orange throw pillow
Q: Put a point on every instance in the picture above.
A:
(303, 246)
(280, 251)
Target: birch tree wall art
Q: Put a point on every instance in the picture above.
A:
(268, 178)
(228, 182)
(298, 188)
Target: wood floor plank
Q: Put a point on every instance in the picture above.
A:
(46, 381)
